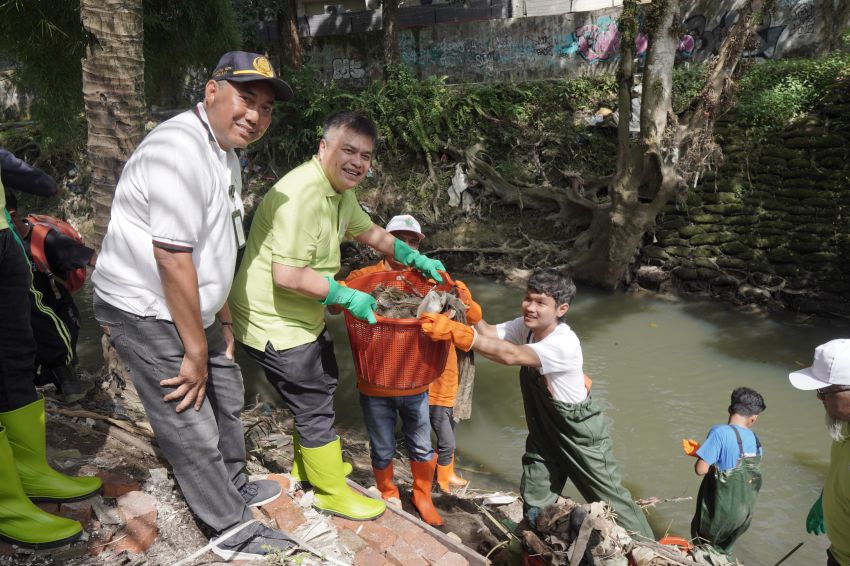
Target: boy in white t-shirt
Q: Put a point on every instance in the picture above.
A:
(567, 432)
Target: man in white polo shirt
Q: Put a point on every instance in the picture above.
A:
(162, 280)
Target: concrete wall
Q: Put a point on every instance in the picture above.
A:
(540, 47)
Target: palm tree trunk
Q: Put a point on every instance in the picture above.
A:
(113, 92)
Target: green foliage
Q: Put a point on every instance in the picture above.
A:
(410, 113)
(418, 118)
(688, 81)
(296, 126)
(773, 93)
(45, 39)
(46, 42)
(181, 37)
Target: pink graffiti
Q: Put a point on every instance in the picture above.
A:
(641, 43)
(686, 46)
(598, 43)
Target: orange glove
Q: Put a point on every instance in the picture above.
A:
(473, 309)
(441, 327)
(690, 446)
(587, 382)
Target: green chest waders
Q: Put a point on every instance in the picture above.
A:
(571, 441)
(727, 499)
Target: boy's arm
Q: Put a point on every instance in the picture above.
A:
(486, 342)
(504, 352)
(708, 453)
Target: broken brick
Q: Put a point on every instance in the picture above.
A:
(351, 541)
(52, 508)
(116, 485)
(429, 548)
(282, 480)
(369, 557)
(289, 518)
(378, 536)
(453, 559)
(138, 511)
(403, 553)
(78, 510)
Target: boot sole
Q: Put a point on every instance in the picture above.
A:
(42, 545)
(338, 514)
(265, 501)
(37, 499)
(229, 555)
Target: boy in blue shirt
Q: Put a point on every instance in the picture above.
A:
(730, 461)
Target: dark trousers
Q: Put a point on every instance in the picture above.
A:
(17, 346)
(443, 426)
(306, 377)
(206, 448)
(55, 324)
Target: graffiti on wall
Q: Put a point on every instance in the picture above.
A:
(803, 17)
(541, 49)
(700, 40)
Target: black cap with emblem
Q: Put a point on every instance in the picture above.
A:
(241, 66)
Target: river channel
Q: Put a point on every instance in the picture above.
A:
(663, 370)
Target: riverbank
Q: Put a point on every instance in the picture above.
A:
(141, 518)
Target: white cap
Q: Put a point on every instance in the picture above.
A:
(831, 367)
(405, 223)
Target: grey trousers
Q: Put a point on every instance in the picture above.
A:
(206, 448)
(443, 425)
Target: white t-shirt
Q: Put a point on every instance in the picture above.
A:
(560, 358)
(180, 190)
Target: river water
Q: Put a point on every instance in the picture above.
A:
(663, 370)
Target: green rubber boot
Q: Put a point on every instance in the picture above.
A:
(21, 522)
(25, 431)
(297, 472)
(324, 467)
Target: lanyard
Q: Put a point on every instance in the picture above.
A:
(236, 215)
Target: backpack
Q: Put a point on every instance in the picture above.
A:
(41, 226)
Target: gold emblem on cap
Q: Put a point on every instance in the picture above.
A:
(262, 66)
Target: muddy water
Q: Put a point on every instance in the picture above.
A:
(664, 371)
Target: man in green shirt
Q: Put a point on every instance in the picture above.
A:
(830, 376)
(285, 281)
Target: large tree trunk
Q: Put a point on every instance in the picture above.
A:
(657, 166)
(113, 91)
(389, 15)
(290, 40)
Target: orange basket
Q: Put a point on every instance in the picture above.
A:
(394, 353)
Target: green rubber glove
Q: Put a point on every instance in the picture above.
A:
(406, 255)
(358, 303)
(814, 522)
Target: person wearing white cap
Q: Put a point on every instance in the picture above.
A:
(420, 409)
(829, 375)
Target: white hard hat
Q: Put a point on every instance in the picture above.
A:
(405, 223)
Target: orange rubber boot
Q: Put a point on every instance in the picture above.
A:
(384, 481)
(447, 479)
(423, 480)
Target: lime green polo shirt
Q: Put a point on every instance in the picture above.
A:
(836, 500)
(300, 223)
